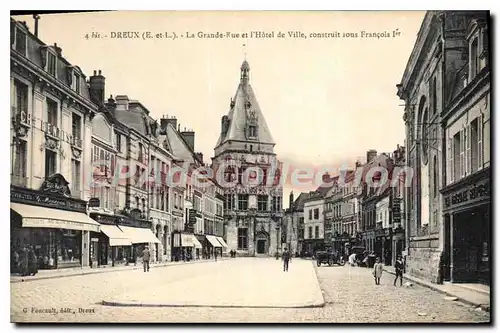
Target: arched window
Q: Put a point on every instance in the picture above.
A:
(137, 202)
(425, 136)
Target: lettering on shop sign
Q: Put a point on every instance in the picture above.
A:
(42, 199)
(472, 193)
(56, 185)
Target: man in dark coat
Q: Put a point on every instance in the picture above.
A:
(286, 258)
(23, 261)
(32, 262)
(145, 258)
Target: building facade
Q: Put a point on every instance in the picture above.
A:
(314, 222)
(435, 81)
(294, 224)
(247, 169)
(50, 140)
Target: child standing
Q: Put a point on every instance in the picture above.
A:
(377, 271)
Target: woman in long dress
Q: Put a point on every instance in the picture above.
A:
(377, 271)
(32, 262)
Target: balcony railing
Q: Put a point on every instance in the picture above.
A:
(19, 180)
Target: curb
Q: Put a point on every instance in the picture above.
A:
(97, 271)
(484, 307)
(156, 305)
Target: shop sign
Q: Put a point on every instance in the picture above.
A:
(94, 202)
(56, 185)
(472, 193)
(36, 198)
(396, 210)
(176, 213)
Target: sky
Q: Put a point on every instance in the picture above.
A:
(326, 100)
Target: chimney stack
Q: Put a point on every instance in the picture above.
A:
(164, 121)
(97, 85)
(111, 104)
(291, 200)
(36, 17)
(370, 155)
(200, 156)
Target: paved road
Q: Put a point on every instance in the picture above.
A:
(239, 283)
(350, 294)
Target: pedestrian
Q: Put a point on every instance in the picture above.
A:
(215, 254)
(399, 270)
(23, 267)
(377, 271)
(285, 256)
(32, 262)
(145, 258)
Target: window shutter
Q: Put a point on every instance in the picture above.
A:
(468, 156)
(462, 153)
(450, 160)
(480, 142)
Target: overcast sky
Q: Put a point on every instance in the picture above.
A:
(326, 100)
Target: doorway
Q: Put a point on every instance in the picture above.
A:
(261, 246)
(262, 243)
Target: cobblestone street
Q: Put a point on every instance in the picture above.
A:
(349, 293)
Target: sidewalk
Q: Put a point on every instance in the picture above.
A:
(65, 272)
(473, 294)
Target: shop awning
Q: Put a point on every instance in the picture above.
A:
(213, 241)
(222, 242)
(41, 217)
(196, 243)
(187, 240)
(115, 235)
(139, 235)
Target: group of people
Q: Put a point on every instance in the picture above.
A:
(378, 269)
(25, 262)
(232, 254)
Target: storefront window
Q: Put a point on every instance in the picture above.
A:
(69, 252)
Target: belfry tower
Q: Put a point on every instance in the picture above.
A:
(250, 174)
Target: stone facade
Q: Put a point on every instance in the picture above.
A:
(427, 87)
(51, 113)
(247, 169)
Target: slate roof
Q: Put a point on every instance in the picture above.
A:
(238, 115)
(298, 204)
(34, 49)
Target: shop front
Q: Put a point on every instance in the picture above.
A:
(55, 225)
(467, 229)
(213, 246)
(121, 240)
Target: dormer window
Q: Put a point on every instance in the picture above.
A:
(76, 82)
(252, 131)
(20, 42)
(51, 63)
(474, 58)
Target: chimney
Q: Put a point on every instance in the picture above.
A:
(291, 200)
(164, 121)
(326, 178)
(122, 102)
(58, 49)
(200, 156)
(111, 104)
(97, 83)
(189, 137)
(370, 155)
(36, 17)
